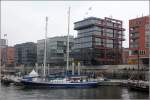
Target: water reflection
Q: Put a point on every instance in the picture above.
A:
(125, 94)
(102, 92)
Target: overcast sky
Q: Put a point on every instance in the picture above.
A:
(24, 21)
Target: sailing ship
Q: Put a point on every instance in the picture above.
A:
(65, 82)
(140, 85)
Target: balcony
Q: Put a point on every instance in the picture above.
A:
(134, 36)
(133, 30)
(133, 45)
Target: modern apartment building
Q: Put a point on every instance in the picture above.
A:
(147, 35)
(139, 39)
(2, 43)
(3, 47)
(26, 54)
(99, 41)
(6, 53)
(56, 50)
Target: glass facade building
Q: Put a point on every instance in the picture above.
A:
(3, 48)
(26, 54)
(99, 41)
(56, 50)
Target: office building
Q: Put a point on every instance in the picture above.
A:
(25, 54)
(99, 41)
(56, 50)
(3, 47)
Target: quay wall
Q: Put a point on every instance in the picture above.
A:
(110, 71)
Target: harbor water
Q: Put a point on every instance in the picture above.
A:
(101, 92)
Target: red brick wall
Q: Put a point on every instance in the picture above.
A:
(10, 55)
(140, 22)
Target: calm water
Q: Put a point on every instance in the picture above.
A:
(102, 92)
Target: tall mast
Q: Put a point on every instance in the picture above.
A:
(138, 63)
(45, 45)
(0, 52)
(149, 49)
(68, 39)
(0, 34)
(0, 56)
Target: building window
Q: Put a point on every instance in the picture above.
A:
(131, 28)
(142, 52)
(109, 30)
(98, 41)
(97, 33)
(109, 45)
(109, 24)
(110, 34)
(85, 39)
(110, 41)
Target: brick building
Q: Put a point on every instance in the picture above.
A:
(139, 39)
(10, 56)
